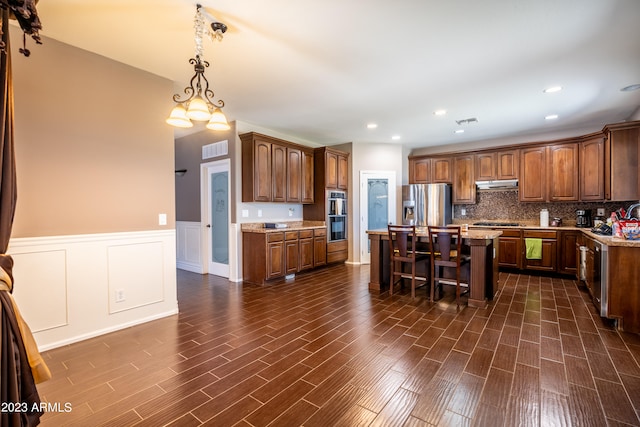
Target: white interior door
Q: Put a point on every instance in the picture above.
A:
(377, 206)
(216, 211)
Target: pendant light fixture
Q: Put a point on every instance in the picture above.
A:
(199, 104)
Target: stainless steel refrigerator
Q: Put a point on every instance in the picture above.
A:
(426, 204)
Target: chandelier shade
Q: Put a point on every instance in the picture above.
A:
(199, 104)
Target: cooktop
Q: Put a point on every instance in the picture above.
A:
(497, 224)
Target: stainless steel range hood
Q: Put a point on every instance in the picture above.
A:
(499, 184)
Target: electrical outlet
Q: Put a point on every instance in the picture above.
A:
(119, 295)
(463, 211)
(600, 212)
(259, 213)
(291, 211)
(245, 213)
(162, 219)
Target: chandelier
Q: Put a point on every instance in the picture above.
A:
(199, 104)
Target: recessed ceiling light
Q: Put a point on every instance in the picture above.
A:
(459, 131)
(395, 137)
(372, 125)
(440, 112)
(551, 117)
(630, 88)
(553, 89)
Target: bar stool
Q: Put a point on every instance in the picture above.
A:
(445, 245)
(403, 250)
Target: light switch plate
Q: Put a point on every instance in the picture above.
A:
(162, 219)
(245, 213)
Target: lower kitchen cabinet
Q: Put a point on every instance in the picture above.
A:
(549, 249)
(319, 247)
(510, 248)
(273, 255)
(567, 256)
(337, 251)
(305, 259)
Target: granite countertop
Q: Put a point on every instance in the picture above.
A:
(607, 240)
(258, 227)
(484, 234)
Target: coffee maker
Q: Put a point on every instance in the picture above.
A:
(583, 218)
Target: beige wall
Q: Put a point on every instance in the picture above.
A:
(93, 152)
(188, 155)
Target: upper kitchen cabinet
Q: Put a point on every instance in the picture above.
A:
(274, 170)
(464, 186)
(592, 169)
(279, 172)
(621, 161)
(336, 169)
(441, 170)
(420, 171)
(562, 172)
(533, 175)
(256, 168)
(507, 162)
(429, 170)
(496, 165)
(486, 166)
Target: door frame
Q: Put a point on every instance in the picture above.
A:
(205, 214)
(390, 175)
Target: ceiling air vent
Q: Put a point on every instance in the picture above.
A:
(467, 121)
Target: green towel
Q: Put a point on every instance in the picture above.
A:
(534, 248)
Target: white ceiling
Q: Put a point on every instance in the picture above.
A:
(319, 71)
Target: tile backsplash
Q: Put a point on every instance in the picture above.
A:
(504, 205)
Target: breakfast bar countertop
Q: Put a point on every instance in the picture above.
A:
(479, 233)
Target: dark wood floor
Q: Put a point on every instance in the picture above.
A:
(321, 350)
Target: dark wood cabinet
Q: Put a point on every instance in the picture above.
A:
(507, 164)
(510, 248)
(305, 258)
(592, 169)
(343, 172)
(567, 255)
(274, 170)
(486, 166)
(464, 186)
(291, 251)
(319, 247)
(275, 255)
(562, 172)
(441, 170)
(307, 180)
(533, 175)
(278, 173)
(294, 175)
(337, 170)
(256, 170)
(622, 180)
(549, 250)
(420, 171)
(337, 251)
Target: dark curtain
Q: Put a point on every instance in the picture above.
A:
(17, 383)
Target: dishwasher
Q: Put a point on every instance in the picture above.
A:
(593, 271)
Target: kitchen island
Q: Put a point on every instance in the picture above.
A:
(483, 274)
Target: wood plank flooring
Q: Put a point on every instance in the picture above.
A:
(321, 350)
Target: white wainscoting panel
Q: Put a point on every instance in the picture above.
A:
(134, 284)
(65, 286)
(189, 246)
(49, 270)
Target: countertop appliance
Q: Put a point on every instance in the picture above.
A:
(583, 218)
(426, 204)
